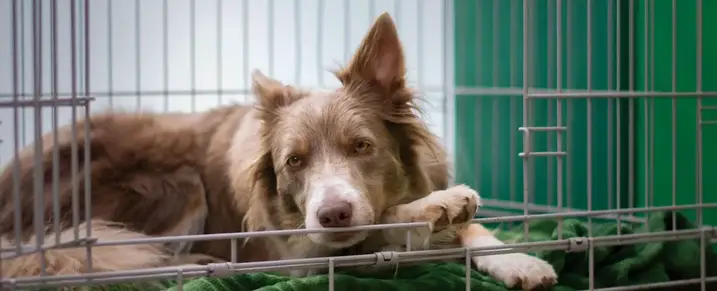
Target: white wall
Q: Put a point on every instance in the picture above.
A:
(283, 41)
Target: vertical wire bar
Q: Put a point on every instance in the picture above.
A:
(347, 31)
(297, 33)
(245, 47)
(165, 54)
(192, 53)
(180, 279)
(631, 108)
(652, 109)
(589, 117)
(618, 122)
(73, 117)
(137, 54)
(526, 104)
(645, 109)
(559, 105)
(674, 113)
(233, 250)
(319, 43)
(610, 109)
(270, 35)
(448, 74)
(87, 172)
(698, 66)
(16, 132)
(468, 268)
(38, 185)
(703, 260)
(419, 42)
(478, 105)
(513, 143)
(220, 53)
(549, 140)
(331, 274)
(569, 161)
(23, 49)
(110, 52)
(372, 10)
(531, 106)
(55, 126)
(494, 102)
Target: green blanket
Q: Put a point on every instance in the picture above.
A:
(614, 266)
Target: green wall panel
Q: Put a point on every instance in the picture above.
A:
(489, 54)
(657, 153)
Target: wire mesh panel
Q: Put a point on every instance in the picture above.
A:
(590, 65)
(588, 109)
(562, 113)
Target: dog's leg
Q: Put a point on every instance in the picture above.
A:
(446, 211)
(513, 269)
(450, 212)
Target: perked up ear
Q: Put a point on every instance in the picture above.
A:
(271, 94)
(379, 58)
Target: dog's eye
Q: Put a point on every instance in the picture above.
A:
(362, 147)
(294, 162)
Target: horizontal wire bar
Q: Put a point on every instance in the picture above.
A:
(708, 122)
(542, 154)
(619, 94)
(542, 128)
(558, 213)
(216, 236)
(162, 93)
(79, 101)
(540, 93)
(572, 213)
(226, 269)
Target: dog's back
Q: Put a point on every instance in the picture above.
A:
(146, 177)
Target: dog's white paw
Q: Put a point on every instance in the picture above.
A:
(448, 209)
(518, 270)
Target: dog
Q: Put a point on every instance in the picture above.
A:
(299, 158)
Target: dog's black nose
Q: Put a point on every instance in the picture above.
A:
(335, 214)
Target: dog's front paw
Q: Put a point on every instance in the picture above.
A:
(448, 209)
(455, 205)
(518, 270)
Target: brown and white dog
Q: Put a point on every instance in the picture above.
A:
(298, 159)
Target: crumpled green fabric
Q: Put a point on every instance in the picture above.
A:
(621, 265)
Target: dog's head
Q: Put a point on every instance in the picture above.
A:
(340, 158)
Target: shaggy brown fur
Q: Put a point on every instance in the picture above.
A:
(298, 159)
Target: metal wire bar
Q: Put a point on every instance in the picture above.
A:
(448, 75)
(618, 121)
(534, 93)
(514, 218)
(55, 125)
(38, 173)
(674, 111)
(526, 105)
(87, 158)
(16, 134)
(226, 269)
(559, 106)
(198, 92)
(74, 168)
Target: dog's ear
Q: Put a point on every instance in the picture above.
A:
(379, 59)
(271, 95)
